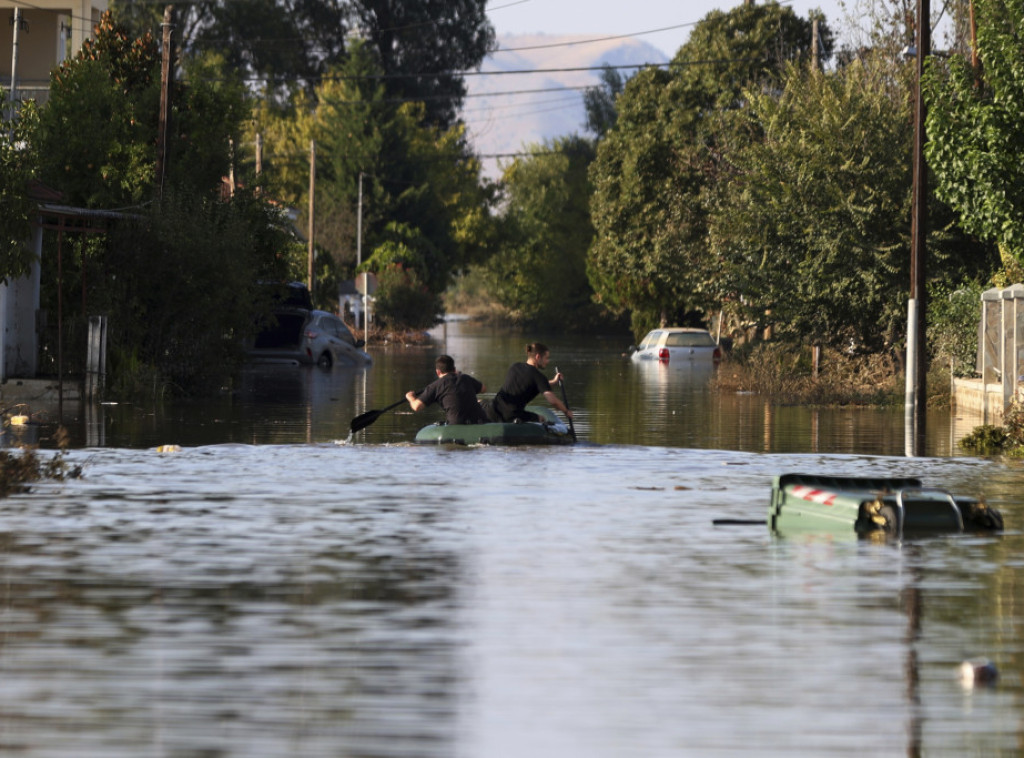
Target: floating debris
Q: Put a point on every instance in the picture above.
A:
(978, 672)
(169, 449)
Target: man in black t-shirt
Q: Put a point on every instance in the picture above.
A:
(523, 382)
(454, 392)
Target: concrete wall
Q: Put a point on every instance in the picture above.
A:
(985, 401)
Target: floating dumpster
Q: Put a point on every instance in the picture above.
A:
(811, 503)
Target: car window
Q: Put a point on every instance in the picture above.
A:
(650, 340)
(337, 327)
(690, 339)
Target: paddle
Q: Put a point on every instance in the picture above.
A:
(572, 429)
(364, 420)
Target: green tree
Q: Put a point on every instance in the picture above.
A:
(975, 133)
(812, 225)
(420, 184)
(177, 276)
(599, 102)
(17, 166)
(290, 45)
(179, 285)
(539, 266)
(650, 254)
(96, 137)
(97, 132)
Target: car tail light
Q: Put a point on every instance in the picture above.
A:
(717, 355)
(310, 334)
(663, 355)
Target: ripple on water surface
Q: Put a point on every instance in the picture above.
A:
(369, 600)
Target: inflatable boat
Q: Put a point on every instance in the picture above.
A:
(549, 431)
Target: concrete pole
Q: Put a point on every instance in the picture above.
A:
(919, 231)
(14, 63)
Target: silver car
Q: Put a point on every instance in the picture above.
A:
(677, 344)
(328, 342)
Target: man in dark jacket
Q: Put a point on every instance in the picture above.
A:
(454, 392)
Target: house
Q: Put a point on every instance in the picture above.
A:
(47, 32)
(36, 39)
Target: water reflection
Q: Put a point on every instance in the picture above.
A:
(383, 600)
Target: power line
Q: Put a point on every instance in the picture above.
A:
(593, 39)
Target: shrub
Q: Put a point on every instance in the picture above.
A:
(402, 300)
(985, 440)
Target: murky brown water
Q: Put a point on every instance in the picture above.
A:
(268, 591)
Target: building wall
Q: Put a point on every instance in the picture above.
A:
(19, 304)
(984, 400)
(56, 29)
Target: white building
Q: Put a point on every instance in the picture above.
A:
(46, 33)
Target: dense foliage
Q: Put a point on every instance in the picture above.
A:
(177, 268)
(17, 165)
(539, 265)
(811, 223)
(422, 200)
(292, 45)
(975, 133)
(650, 254)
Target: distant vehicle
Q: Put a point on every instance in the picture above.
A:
(298, 335)
(678, 344)
(329, 342)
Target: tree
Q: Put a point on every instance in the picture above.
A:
(650, 255)
(290, 45)
(420, 184)
(812, 225)
(176, 277)
(599, 102)
(97, 133)
(975, 134)
(539, 267)
(17, 166)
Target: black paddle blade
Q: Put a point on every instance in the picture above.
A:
(364, 420)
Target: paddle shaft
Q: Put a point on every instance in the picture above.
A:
(364, 420)
(561, 383)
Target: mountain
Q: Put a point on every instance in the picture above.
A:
(505, 112)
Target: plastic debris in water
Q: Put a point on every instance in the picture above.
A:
(169, 449)
(978, 672)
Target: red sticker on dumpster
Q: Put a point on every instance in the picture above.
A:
(815, 496)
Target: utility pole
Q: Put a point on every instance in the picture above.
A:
(164, 119)
(917, 349)
(14, 61)
(312, 191)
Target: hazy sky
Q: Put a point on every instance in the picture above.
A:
(637, 18)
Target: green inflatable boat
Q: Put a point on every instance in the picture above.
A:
(549, 432)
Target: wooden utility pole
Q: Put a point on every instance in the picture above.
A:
(312, 192)
(164, 119)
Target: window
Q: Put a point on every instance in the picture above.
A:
(690, 339)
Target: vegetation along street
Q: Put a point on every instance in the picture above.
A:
(760, 184)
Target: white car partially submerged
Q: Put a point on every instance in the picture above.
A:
(678, 344)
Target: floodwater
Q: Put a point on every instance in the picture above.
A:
(276, 589)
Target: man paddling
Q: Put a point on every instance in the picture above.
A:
(523, 382)
(454, 392)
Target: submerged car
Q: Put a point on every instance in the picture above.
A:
(296, 334)
(678, 344)
(329, 342)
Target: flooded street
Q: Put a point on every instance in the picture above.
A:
(274, 589)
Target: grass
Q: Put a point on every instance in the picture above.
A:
(784, 374)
